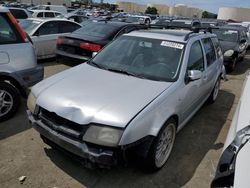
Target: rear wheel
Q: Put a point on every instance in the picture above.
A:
(161, 146)
(9, 100)
(213, 96)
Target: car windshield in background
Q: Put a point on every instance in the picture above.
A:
(29, 25)
(226, 35)
(145, 58)
(134, 19)
(96, 29)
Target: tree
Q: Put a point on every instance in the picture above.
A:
(151, 10)
(205, 14)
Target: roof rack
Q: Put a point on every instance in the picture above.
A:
(193, 29)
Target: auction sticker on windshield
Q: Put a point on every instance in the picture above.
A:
(172, 44)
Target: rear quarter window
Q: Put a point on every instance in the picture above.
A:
(8, 33)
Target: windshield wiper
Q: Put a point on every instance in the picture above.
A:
(126, 72)
(97, 65)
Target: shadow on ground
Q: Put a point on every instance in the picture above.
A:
(15, 125)
(241, 68)
(192, 144)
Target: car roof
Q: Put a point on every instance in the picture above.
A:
(50, 19)
(114, 23)
(231, 27)
(16, 8)
(44, 11)
(166, 34)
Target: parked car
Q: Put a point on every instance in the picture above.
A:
(132, 97)
(185, 23)
(91, 38)
(161, 21)
(19, 13)
(74, 17)
(233, 165)
(45, 14)
(57, 8)
(18, 67)
(234, 42)
(246, 25)
(138, 19)
(44, 33)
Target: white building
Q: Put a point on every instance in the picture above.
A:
(177, 10)
(238, 14)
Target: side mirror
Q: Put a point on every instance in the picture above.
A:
(194, 75)
(94, 54)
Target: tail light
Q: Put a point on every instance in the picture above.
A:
(59, 41)
(91, 47)
(18, 28)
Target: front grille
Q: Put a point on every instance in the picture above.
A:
(62, 125)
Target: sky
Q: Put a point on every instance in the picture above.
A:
(209, 5)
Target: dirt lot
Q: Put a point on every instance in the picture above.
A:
(192, 163)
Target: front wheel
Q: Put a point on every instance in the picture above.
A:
(213, 96)
(161, 146)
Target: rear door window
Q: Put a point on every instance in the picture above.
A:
(40, 15)
(18, 14)
(8, 34)
(209, 51)
(196, 58)
(48, 28)
(49, 14)
(217, 47)
(67, 27)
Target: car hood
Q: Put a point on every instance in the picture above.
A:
(86, 94)
(226, 45)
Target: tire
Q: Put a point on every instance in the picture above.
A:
(213, 96)
(9, 101)
(156, 159)
(232, 65)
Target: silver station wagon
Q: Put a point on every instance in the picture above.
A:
(132, 97)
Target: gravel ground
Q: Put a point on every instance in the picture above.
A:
(191, 164)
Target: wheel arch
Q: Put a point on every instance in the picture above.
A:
(9, 79)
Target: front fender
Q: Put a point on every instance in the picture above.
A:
(150, 120)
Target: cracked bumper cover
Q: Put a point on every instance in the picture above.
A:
(80, 149)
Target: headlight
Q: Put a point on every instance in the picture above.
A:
(31, 102)
(105, 136)
(229, 53)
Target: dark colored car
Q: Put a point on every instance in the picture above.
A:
(233, 41)
(82, 43)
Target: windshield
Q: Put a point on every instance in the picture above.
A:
(28, 25)
(226, 35)
(145, 58)
(97, 29)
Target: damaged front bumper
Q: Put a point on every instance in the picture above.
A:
(90, 154)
